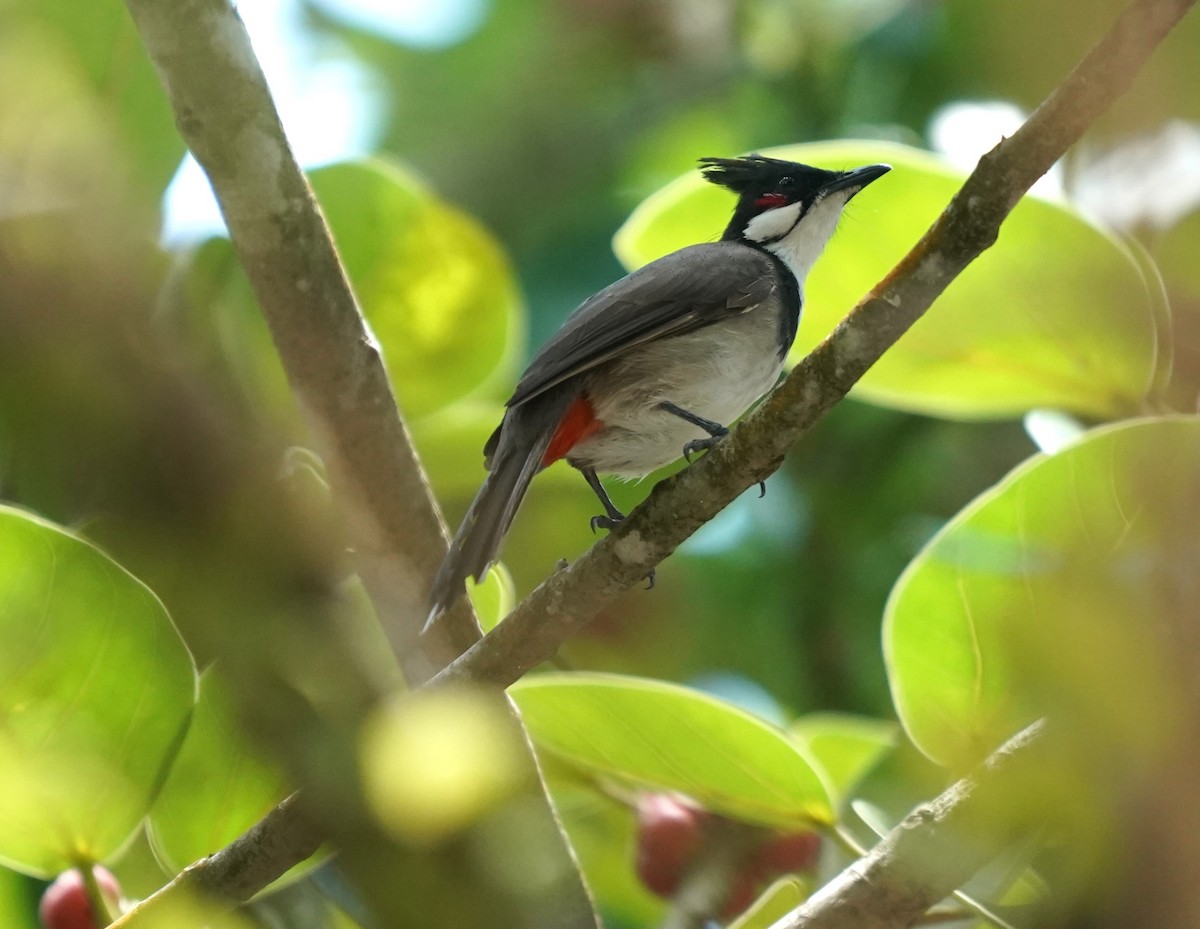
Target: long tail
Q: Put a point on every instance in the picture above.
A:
(488, 518)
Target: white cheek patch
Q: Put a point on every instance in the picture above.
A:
(803, 246)
(772, 224)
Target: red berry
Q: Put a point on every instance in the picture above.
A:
(788, 853)
(65, 903)
(670, 830)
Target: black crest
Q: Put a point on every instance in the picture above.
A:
(754, 174)
(763, 183)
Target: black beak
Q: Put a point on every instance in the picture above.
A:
(856, 179)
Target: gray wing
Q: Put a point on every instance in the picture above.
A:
(681, 292)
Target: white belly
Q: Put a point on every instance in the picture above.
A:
(716, 373)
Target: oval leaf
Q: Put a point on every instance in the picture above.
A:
(846, 747)
(1046, 590)
(96, 689)
(674, 738)
(218, 786)
(435, 285)
(1055, 315)
(493, 597)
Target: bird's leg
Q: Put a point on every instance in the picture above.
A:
(715, 431)
(614, 516)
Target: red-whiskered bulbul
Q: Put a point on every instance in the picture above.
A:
(656, 364)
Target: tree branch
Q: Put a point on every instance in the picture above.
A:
(680, 505)
(225, 113)
(239, 870)
(937, 848)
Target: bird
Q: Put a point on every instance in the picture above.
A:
(656, 365)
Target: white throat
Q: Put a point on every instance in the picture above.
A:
(798, 240)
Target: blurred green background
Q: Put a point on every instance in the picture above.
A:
(521, 133)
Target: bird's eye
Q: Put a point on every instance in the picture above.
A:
(786, 182)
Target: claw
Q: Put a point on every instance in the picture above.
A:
(605, 522)
(702, 445)
(762, 489)
(650, 580)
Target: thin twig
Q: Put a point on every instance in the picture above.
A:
(239, 870)
(970, 905)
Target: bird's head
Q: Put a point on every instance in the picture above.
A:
(784, 206)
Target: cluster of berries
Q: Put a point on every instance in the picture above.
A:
(671, 830)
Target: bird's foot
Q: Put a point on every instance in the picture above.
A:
(611, 522)
(606, 522)
(703, 445)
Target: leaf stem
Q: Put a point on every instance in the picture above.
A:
(95, 895)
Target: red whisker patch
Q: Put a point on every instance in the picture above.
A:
(769, 201)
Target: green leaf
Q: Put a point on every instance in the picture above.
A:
(670, 737)
(845, 746)
(96, 689)
(783, 896)
(1046, 590)
(96, 66)
(1055, 315)
(436, 287)
(493, 597)
(218, 787)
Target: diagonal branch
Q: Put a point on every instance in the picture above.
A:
(937, 848)
(680, 505)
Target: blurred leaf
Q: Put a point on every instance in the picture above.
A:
(96, 690)
(845, 746)
(875, 818)
(16, 902)
(783, 896)
(219, 786)
(96, 65)
(1046, 589)
(435, 286)
(1175, 253)
(493, 597)
(1055, 315)
(674, 738)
